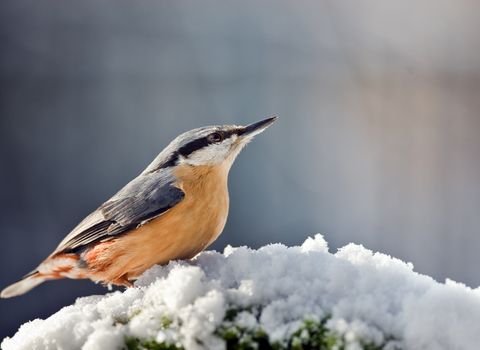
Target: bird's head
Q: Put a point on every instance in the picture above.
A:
(209, 145)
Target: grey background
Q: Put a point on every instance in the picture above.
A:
(376, 142)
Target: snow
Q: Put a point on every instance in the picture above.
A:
(370, 296)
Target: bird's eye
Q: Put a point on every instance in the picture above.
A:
(215, 137)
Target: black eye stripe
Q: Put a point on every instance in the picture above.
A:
(195, 145)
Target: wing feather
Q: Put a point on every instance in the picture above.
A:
(140, 201)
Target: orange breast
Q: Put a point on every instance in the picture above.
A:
(181, 233)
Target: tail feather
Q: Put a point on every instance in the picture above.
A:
(55, 267)
(28, 282)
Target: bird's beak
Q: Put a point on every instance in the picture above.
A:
(256, 128)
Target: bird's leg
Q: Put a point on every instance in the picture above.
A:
(128, 284)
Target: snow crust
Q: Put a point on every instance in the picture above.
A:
(370, 296)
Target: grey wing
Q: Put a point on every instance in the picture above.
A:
(142, 200)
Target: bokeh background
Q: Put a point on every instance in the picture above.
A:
(377, 140)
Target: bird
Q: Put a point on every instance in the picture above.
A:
(172, 211)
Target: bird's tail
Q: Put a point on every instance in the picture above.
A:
(28, 282)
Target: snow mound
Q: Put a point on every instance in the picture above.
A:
(364, 298)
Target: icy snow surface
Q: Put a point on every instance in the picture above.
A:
(370, 296)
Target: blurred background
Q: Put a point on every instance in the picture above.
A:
(376, 142)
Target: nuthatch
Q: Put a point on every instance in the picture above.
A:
(173, 210)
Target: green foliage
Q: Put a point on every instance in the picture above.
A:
(132, 343)
(312, 335)
(166, 322)
(241, 338)
(121, 320)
